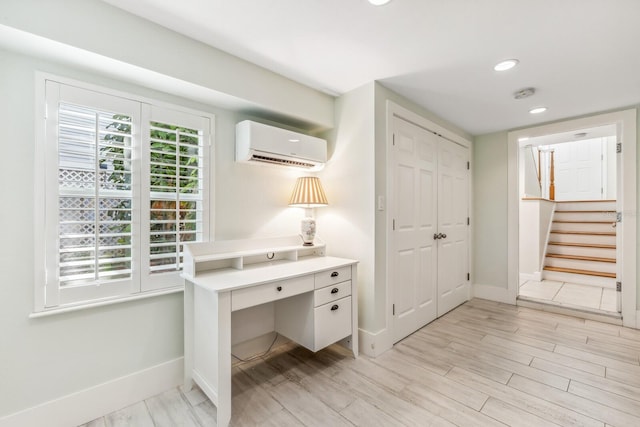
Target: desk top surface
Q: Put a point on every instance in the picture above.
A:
(228, 279)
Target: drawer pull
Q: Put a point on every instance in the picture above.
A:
(334, 290)
(335, 274)
(334, 307)
(279, 288)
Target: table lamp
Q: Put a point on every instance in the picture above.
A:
(308, 193)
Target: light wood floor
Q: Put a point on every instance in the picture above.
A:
(483, 364)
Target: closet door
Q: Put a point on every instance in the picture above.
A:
(412, 253)
(453, 211)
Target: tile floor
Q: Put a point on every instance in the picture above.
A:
(571, 294)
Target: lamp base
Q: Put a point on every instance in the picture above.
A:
(308, 231)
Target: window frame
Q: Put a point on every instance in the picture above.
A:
(47, 297)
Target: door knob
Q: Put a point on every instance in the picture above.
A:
(443, 236)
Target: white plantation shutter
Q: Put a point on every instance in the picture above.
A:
(125, 185)
(89, 195)
(176, 175)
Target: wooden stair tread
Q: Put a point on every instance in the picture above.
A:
(595, 233)
(584, 222)
(584, 272)
(583, 245)
(584, 201)
(598, 211)
(582, 258)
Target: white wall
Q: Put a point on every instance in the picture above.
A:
(46, 358)
(535, 215)
(347, 224)
(490, 248)
(98, 30)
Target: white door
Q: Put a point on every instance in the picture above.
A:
(453, 211)
(579, 170)
(413, 249)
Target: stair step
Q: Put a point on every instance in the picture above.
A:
(585, 272)
(585, 216)
(583, 258)
(592, 233)
(583, 245)
(581, 222)
(596, 211)
(585, 205)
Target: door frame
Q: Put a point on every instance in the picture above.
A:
(396, 110)
(625, 122)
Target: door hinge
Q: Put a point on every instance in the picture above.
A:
(394, 224)
(468, 221)
(468, 276)
(618, 286)
(393, 139)
(468, 165)
(393, 309)
(618, 216)
(619, 147)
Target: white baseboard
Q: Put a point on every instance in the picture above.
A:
(492, 293)
(94, 402)
(536, 276)
(373, 344)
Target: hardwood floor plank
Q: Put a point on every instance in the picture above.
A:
(512, 416)
(544, 345)
(134, 415)
(547, 355)
(623, 377)
(304, 406)
(390, 403)
(629, 334)
(251, 402)
(587, 407)
(630, 406)
(590, 355)
(540, 407)
(602, 383)
(282, 418)
(98, 422)
(446, 407)
(361, 413)
(513, 367)
(441, 384)
(169, 409)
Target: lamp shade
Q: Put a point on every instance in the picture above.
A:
(308, 193)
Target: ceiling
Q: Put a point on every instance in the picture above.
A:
(582, 56)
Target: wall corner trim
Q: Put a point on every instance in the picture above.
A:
(94, 402)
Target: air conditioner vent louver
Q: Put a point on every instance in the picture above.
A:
(282, 161)
(257, 142)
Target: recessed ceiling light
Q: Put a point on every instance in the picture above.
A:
(379, 2)
(504, 65)
(538, 110)
(523, 138)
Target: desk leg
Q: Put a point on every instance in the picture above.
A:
(224, 358)
(188, 336)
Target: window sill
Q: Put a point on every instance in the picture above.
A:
(84, 306)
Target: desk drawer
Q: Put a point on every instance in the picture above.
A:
(332, 322)
(256, 295)
(331, 293)
(331, 277)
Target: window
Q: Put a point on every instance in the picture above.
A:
(125, 185)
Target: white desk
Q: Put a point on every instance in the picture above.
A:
(315, 299)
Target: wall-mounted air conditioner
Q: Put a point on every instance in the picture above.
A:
(257, 142)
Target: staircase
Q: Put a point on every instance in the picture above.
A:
(582, 243)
